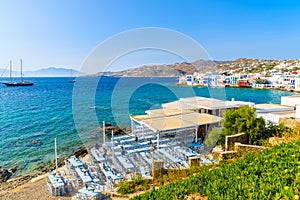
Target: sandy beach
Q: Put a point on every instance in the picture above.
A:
(32, 186)
(34, 189)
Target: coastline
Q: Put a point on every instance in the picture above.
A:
(40, 172)
(10, 173)
(25, 185)
(233, 86)
(29, 187)
(32, 186)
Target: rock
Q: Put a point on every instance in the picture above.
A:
(5, 175)
(92, 136)
(34, 159)
(17, 144)
(14, 169)
(36, 143)
(109, 127)
(81, 152)
(39, 133)
(117, 130)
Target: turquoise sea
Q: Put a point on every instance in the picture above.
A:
(31, 117)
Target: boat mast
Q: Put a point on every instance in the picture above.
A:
(10, 73)
(21, 71)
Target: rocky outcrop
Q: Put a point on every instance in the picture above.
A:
(5, 174)
(117, 130)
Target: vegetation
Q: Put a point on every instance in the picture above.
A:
(213, 137)
(270, 174)
(135, 185)
(173, 175)
(244, 120)
(296, 69)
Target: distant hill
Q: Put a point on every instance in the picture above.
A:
(240, 65)
(172, 70)
(45, 72)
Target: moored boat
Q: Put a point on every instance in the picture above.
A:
(244, 83)
(21, 83)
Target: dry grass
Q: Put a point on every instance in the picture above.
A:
(287, 137)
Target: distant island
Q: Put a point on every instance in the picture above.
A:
(45, 72)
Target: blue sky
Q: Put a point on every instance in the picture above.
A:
(62, 33)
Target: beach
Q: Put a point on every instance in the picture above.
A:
(34, 188)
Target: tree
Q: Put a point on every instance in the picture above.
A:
(242, 120)
(212, 137)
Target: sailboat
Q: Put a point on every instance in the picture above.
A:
(71, 78)
(21, 83)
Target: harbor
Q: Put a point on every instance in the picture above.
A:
(247, 73)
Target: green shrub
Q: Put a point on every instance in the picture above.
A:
(271, 174)
(136, 184)
(125, 188)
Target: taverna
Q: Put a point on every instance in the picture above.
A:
(170, 137)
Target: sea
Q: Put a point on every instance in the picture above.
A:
(31, 117)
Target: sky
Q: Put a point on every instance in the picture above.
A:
(62, 33)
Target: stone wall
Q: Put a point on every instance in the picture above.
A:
(157, 168)
(231, 139)
(238, 147)
(194, 161)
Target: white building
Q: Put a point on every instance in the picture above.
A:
(274, 112)
(290, 100)
(297, 84)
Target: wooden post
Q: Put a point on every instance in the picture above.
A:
(196, 139)
(55, 156)
(103, 132)
(158, 140)
(112, 142)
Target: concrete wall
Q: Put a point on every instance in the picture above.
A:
(231, 139)
(290, 100)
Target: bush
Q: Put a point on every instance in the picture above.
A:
(244, 120)
(136, 184)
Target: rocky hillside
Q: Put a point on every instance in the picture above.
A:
(244, 65)
(172, 70)
(241, 65)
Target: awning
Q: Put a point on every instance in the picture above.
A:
(182, 121)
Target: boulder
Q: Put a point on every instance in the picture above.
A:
(35, 143)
